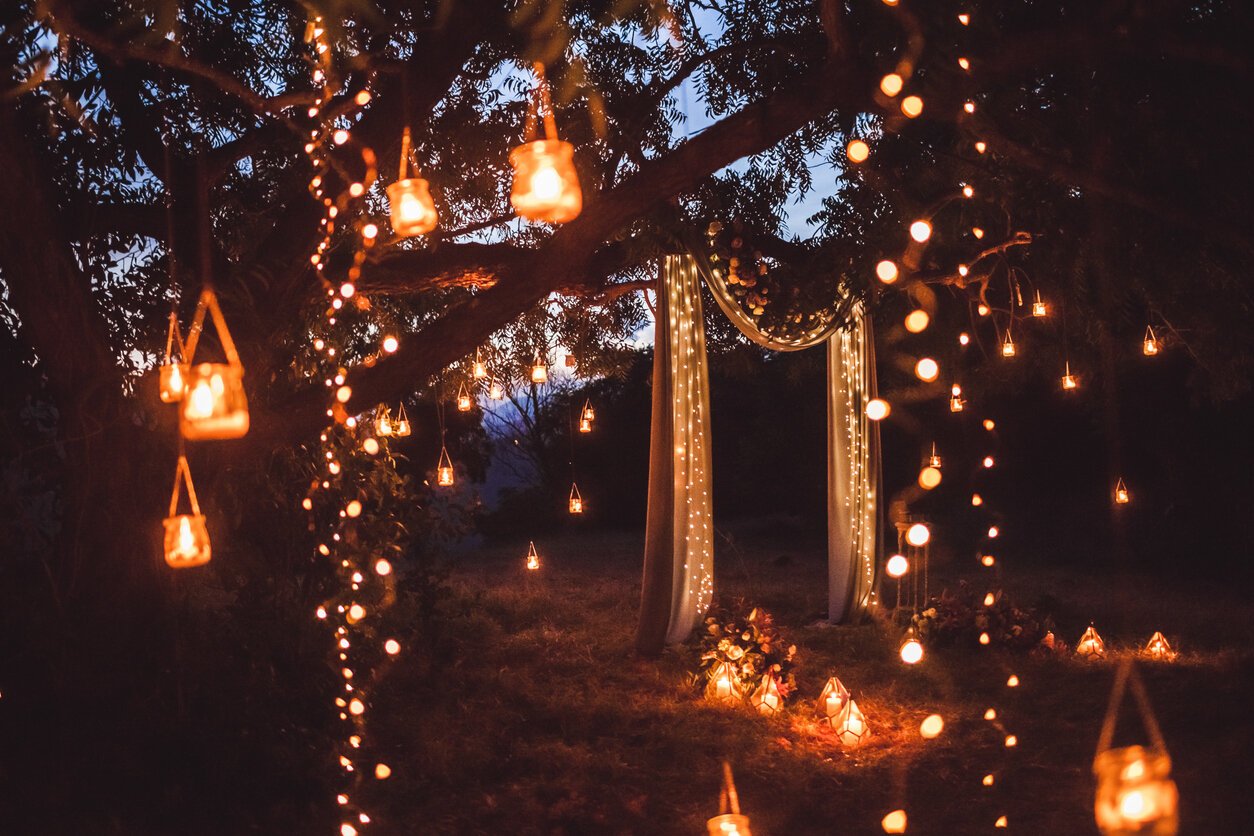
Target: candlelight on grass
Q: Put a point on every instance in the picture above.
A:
(832, 701)
(729, 822)
(1090, 644)
(1158, 649)
(767, 698)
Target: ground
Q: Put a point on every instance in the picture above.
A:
(528, 713)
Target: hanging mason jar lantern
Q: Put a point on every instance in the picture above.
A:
(383, 421)
(173, 373)
(413, 210)
(533, 558)
(444, 470)
(576, 501)
(724, 684)
(766, 698)
(1068, 379)
(539, 371)
(956, 403)
(1121, 493)
(546, 187)
(402, 427)
(1135, 793)
(729, 821)
(1158, 649)
(1150, 344)
(1090, 644)
(214, 405)
(494, 391)
(479, 370)
(1007, 346)
(463, 399)
(585, 426)
(1038, 306)
(186, 538)
(934, 460)
(588, 414)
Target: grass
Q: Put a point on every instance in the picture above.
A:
(527, 712)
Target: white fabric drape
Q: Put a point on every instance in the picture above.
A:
(852, 472)
(679, 528)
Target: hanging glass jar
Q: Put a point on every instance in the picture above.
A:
(412, 209)
(533, 557)
(1150, 344)
(495, 392)
(214, 404)
(402, 422)
(463, 399)
(444, 470)
(588, 413)
(546, 186)
(186, 538)
(576, 501)
(173, 374)
(539, 371)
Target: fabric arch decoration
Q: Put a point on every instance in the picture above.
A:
(678, 559)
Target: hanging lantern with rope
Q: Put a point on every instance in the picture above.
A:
(588, 414)
(383, 421)
(533, 557)
(539, 371)
(173, 373)
(402, 427)
(479, 369)
(494, 391)
(444, 470)
(214, 405)
(576, 501)
(186, 538)
(1149, 345)
(546, 187)
(1068, 379)
(1038, 306)
(729, 821)
(463, 399)
(409, 198)
(1135, 793)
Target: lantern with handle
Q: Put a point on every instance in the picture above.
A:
(539, 371)
(576, 501)
(533, 557)
(463, 399)
(1149, 345)
(401, 427)
(214, 405)
(444, 470)
(409, 198)
(546, 187)
(186, 538)
(729, 821)
(173, 373)
(1135, 793)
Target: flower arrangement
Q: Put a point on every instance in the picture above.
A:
(746, 642)
(964, 614)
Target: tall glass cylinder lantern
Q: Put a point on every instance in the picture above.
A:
(546, 186)
(409, 198)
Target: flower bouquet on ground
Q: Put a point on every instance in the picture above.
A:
(739, 646)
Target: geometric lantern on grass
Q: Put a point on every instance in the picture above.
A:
(724, 684)
(186, 539)
(851, 727)
(173, 374)
(1135, 793)
(1158, 649)
(576, 501)
(767, 699)
(546, 187)
(832, 702)
(413, 210)
(214, 405)
(1090, 644)
(444, 470)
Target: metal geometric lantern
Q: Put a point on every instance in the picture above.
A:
(186, 538)
(1135, 793)
(533, 558)
(767, 698)
(851, 727)
(832, 702)
(444, 470)
(173, 373)
(1150, 344)
(1158, 649)
(546, 187)
(1121, 493)
(576, 501)
(1090, 644)
(214, 405)
(729, 822)
(413, 210)
(724, 684)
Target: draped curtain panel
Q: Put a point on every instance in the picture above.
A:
(853, 451)
(853, 472)
(678, 556)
